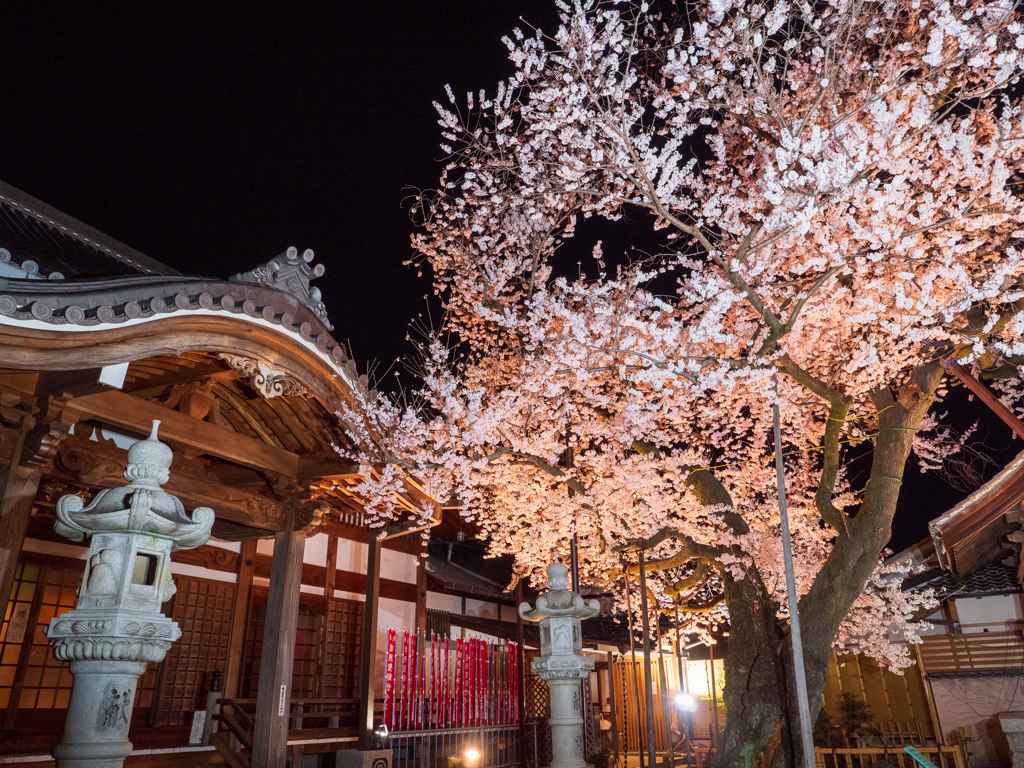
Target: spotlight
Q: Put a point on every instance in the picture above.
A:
(686, 702)
(381, 737)
(471, 759)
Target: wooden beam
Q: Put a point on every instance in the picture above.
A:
(986, 396)
(239, 620)
(326, 464)
(345, 581)
(102, 465)
(270, 734)
(411, 545)
(122, 410)
(212, 371)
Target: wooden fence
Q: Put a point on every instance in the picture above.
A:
(973, 652)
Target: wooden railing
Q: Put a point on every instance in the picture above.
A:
(972, 652)
(315, 726)
(943, 757)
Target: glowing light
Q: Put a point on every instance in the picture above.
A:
(686, 702)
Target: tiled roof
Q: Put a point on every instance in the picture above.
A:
(995, 578)
(43, 241)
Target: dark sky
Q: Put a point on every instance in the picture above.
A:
(211, 136)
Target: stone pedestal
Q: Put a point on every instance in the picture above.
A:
(562, 663)
(99, 714)
(116, 629)
(1012, 724)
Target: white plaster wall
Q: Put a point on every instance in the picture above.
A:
(995, 612)
(398, 566)
(265, 546)
(315, 551)
(508, 613)
(233, 546)
(438, 601)
(351, 556)
(482, 608)
(974, 702)
(197, 571)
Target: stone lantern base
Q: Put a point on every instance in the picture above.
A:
(97, 736)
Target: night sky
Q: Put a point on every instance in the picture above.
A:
(213, 136)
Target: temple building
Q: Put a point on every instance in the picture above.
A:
(245, 376)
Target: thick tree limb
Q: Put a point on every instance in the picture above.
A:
(831, 514)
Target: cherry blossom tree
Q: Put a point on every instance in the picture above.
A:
(832, 191)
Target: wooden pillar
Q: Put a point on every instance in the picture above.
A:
(18, 488)
(421, 595)
(368, 649)
(331, 574)
(273, 701)
(940, 737)
(240, 620)
(524, 759)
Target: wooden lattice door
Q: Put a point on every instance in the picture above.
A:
(35, 686)
(342, 641)
(202, 609)
(306, 667)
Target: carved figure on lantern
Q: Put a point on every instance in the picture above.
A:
(562, 663)
(116, 629)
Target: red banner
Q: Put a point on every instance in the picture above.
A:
(414, 681)
(458, 683)
(403, 715)
(467, 693)
(389, 682)
(446, 709)
(513, 682)
(473, 671)
(485, 699)
(432, 709)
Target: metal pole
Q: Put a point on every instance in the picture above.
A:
(806, 732)
(586, 706)
(714, 697)
(648, 686)
(666, 701)
(684, 686)
(636, 682)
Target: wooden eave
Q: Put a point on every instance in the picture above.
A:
(966, 536)
(289, 436)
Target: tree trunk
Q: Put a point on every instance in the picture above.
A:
(759, 683)
(755, 683)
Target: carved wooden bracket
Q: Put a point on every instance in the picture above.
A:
(310, 516)
(265, 379)
(42, 442)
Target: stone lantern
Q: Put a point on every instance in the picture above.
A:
(562, 663)
(116, 629)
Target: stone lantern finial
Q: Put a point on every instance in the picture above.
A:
(149, 461)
